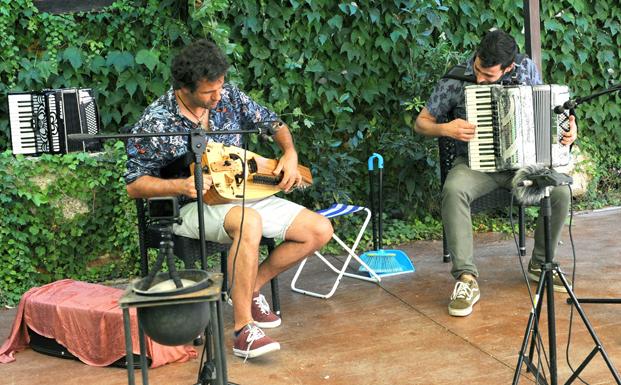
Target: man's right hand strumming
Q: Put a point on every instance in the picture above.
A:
(149, 186)
(188, 188)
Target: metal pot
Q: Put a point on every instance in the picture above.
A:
(174, 324)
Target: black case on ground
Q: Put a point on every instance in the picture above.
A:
(49, 346)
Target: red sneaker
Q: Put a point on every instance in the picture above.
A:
(262, 315)
(252, 342)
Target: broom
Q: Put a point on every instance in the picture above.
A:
(383, 262)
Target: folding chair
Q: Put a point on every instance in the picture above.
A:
(334, 211)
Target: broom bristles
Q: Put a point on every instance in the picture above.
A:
(382, 262)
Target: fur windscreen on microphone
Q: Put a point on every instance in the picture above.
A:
(530, 194)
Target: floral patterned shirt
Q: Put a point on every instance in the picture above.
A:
(146, 156)
(447, 100)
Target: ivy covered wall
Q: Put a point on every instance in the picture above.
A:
(360, 71)
(348, 77)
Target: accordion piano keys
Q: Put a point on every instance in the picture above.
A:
(41, 121)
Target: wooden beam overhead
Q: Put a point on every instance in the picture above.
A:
(65, 6)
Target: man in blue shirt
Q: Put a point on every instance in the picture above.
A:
(201, 97)
(495, 61)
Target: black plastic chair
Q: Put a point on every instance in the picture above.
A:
(498, 198)
(188, 250)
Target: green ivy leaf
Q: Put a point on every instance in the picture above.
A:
(314, 66)
(39, 199)
(583, 56)
(73, 56)
(336, 21)
(395, 35)
(98, 65)
(120, 60)
(148, 57)
(313, 17)
(374, 15)
(384, 43)
(260, 53)
(466, 7)
(552, 25)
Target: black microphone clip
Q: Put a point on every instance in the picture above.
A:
(268, 128)
(530, 183)
(546, 178)
(568, 105)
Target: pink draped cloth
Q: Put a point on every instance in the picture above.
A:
(86, 319)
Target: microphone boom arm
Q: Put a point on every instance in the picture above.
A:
(573, 103)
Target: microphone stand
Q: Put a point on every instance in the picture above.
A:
(196, 144)
(546, 287)
(571, 104)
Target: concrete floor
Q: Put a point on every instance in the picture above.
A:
(400, 332)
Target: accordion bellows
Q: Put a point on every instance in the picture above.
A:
(41, 121)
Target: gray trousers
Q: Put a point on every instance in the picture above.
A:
(461, 187)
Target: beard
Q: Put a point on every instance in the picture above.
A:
(197, 103)
(208, 105)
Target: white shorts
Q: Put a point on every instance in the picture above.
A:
(277, 214)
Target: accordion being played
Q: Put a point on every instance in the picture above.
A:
(516, 126)
(41, 121)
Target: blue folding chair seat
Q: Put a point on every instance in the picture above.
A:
(337, 210)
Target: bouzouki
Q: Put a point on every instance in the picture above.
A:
(233, 177)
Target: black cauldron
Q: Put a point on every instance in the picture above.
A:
(175, 324)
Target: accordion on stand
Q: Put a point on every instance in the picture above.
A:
(41, 121)
(516, 126)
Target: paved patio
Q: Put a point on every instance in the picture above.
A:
(400, 332)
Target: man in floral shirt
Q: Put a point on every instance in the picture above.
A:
(200, 97)
(496, 61)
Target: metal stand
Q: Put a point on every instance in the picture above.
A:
(573, 104)
(215, 334)
(546, 286)
(196, 145)
(596, 300)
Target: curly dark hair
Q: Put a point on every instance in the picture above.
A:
(497, 47)
(201, 60)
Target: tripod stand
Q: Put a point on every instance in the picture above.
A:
(165, 252)
(546, 287)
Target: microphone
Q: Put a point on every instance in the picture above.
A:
(267, 128)
(568, 105)
(530, 182)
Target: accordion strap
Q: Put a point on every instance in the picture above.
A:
(458, 72)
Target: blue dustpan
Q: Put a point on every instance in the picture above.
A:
(383, 262)
(387, 262)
